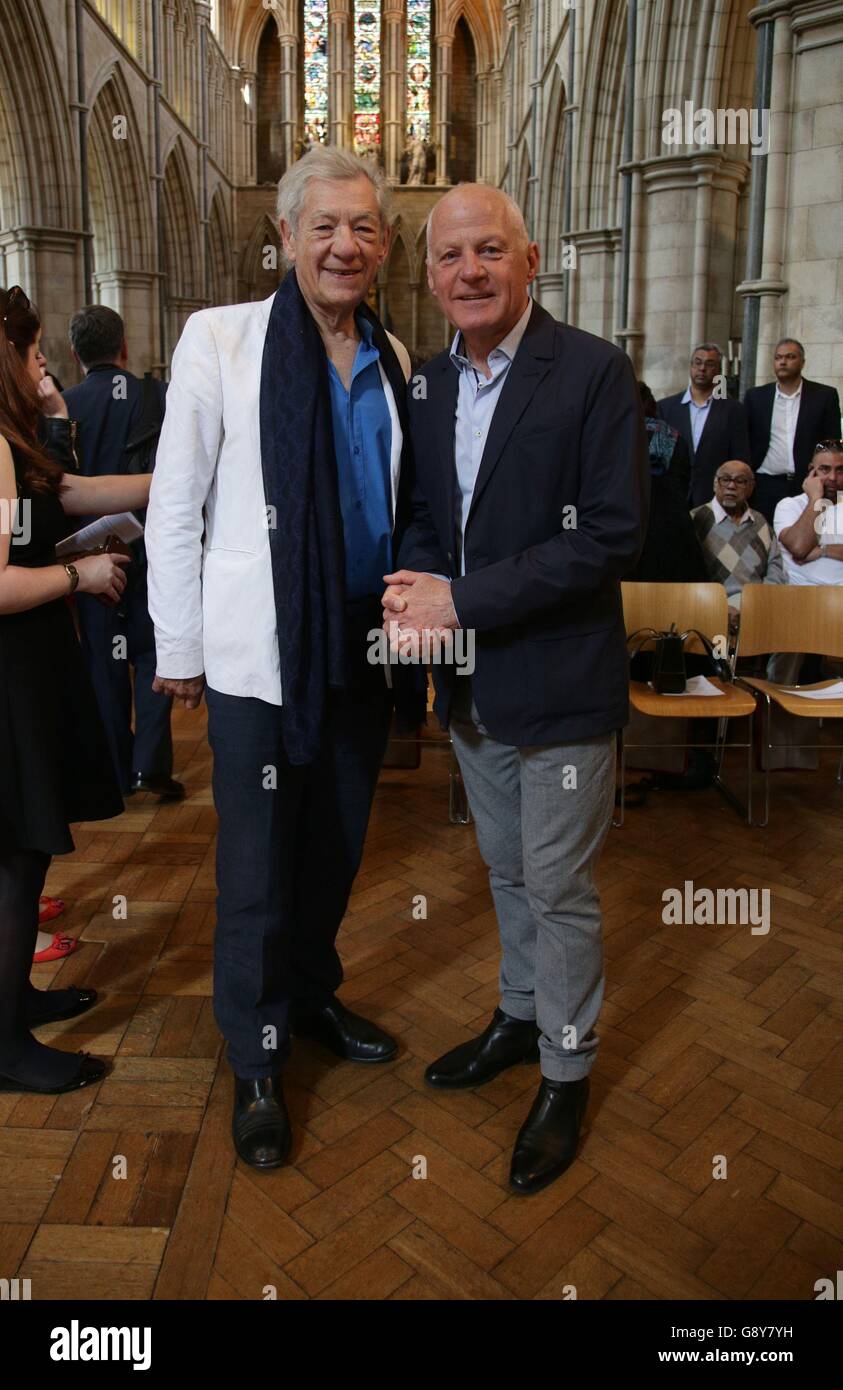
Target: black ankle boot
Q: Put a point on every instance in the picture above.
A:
(547, 1142)
(503, 1043)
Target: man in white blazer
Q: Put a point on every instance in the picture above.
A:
(277, 506)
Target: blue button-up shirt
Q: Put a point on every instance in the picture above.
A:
(699, 415)
(363, 448)
(476, 402)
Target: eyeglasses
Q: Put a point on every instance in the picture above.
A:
(14, 296)
(738, 482)
(829, 446)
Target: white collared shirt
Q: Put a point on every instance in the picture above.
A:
(720, 514)
(476, 403)
(699, 415)
(779, 456)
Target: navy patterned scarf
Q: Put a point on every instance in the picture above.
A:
(306, 540)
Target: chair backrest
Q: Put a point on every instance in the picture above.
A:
(703, 606)
(791, 618)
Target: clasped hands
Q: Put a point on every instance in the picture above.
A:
(416, 603)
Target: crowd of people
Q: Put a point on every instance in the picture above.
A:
(424, 509)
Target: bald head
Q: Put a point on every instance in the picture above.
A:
(469, 199)
(734, 483)
(480, 262)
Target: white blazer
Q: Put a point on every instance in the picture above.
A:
(212, 602)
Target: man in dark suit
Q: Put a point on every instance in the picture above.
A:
(530, 506)
(118, 418)
(787, 417)
(713, 428)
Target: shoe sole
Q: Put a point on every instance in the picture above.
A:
(531, 1057)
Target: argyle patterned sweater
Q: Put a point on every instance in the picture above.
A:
(738, 553)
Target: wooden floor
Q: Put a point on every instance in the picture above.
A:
(714, 1042)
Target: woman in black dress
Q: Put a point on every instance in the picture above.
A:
(54, 762)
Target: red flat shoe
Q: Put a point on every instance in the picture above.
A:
(48, 908)
(59, 947)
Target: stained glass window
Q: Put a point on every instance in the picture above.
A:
(316, 71)
(367, 75)
(418, 69)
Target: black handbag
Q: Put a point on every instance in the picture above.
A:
(669, 676)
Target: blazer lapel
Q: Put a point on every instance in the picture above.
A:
(443, 406)
(529, 366)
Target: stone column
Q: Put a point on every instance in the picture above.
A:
(482, 125)
(770, 326)
(340, 73)
(550, 286)
(289, 86)
(249, 80)
(512, 12)
(444, 45)
(394, 88)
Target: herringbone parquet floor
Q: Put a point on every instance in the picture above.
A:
(715, 1042)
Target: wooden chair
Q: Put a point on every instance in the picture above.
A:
(791, 618)
(705, 607)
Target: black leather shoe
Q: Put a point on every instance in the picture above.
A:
(547, 1142)
(85, 1000)
(90, 1069)
(505, 1042)
(351, 1037)
(166, 787)
(260, 1125)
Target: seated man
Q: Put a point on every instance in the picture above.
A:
(812, 551)
(737, 543)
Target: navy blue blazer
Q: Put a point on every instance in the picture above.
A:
(725, 436)
(544, 600)
(818, 418)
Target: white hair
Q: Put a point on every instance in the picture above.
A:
(324, 162)
(515, 211)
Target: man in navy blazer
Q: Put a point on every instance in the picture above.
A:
(529, 507)
(714, 429)
(786, 418)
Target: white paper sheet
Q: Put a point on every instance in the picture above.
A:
(694, 685)
(831, 692)
(122, 524)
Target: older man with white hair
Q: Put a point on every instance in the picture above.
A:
(277, 506)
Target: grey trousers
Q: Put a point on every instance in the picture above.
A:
(542, 815)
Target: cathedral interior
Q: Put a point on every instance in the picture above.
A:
(140, 146)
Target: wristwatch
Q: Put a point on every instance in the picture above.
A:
(73, 576)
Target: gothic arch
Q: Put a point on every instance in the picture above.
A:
(182, 243)
(221, 265)
(120, 217)
(552, 179)
(259, 281)
(601, 128)
(38, 183)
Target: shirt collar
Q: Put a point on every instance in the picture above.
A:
(508, 346)
(783, 396)
(720, 513)
(687, 398)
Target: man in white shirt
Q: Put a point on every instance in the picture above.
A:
(276, 508)
(786, 419)
(810, 533)
(808, 527)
